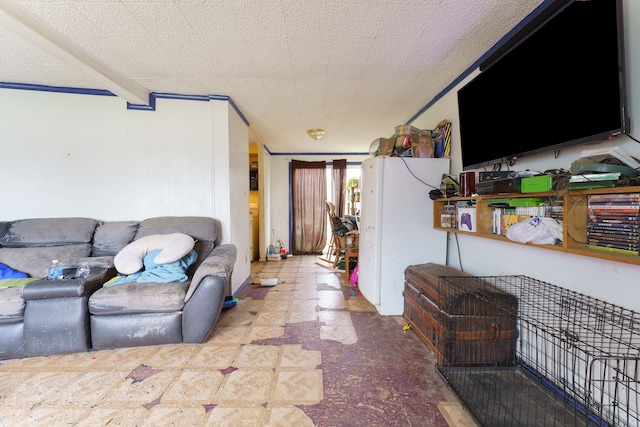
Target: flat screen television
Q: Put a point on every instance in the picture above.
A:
(558, 81)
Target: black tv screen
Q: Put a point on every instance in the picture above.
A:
(558, 81)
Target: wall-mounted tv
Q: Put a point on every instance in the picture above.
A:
(558, 81)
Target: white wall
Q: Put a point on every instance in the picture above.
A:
(611, 281)
(238, 192)
(86, 155)
(277, 212)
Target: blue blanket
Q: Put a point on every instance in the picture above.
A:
(159, 273)
(7, 272)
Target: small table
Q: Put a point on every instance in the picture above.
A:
(349, 253)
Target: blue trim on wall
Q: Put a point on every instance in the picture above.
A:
(143, 107)
(233, 105)
(153, 96)
(320, 154)
(329, 163)
(57, 89)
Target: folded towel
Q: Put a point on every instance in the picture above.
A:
(159, 273)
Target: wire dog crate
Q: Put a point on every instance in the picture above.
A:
(576, 358)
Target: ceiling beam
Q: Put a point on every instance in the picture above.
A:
(16, 19)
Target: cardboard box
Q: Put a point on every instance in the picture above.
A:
(467, 219)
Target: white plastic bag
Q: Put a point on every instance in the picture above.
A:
(538, 230)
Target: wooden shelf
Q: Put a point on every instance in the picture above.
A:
(574, 220)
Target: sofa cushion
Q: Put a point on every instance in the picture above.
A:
(200, 228)
(48, 232)
(172, 247)
(128, 298)
(35, 261)
(111, 237)
(11, 304)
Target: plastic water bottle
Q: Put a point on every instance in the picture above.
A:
(83, 271)
(55, 271)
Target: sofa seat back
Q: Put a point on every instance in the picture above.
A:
(29, 245)
(203, 230)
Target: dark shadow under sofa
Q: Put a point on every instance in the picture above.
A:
(44, 317)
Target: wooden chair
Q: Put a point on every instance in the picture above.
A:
(339, 244)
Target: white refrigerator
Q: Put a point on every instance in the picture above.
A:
(396, 226)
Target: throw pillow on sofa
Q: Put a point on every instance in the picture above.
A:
(172, 248)
(158, 273)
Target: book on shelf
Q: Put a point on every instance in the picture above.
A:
(620, 240)
(615, 215)
(621, 209)
(613, 249)
(632, 203)
(508, 220)
(596, 221)
(599, 232)
(614, 197)
(504, 217)
(614, 224)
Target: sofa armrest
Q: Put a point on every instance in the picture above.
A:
(94, 262)
(218, 264)
(66, 288)
(201, 313)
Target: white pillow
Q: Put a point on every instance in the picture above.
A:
(174, 246)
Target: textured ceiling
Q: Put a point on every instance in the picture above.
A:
(356, 68)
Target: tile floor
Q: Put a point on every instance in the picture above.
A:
(306, 352)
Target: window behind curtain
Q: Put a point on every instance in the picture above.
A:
(308, 197)
(339, 173)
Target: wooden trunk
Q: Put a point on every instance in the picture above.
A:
(464, 320)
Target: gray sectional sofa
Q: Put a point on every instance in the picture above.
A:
(43, 317)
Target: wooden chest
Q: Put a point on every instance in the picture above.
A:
(463, 319)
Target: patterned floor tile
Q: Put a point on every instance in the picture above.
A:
(343, 334)
(271, 318)
(193, 388)
(245, 386)
(288, 416)
(304, 353)
(294, 357)
(297, 316)
(238, 416)
(331, 299)
(110, 416)
(175, 416)
(214, 356)
(136, 391)
(297, 387)
(230, 334)
(124, 358)
(265, 332)
(257, 357)
(237, 318)
(45, 416)
(359, 303)
(88, 390)
(172, 356)
(36, 387)
(246, 304)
